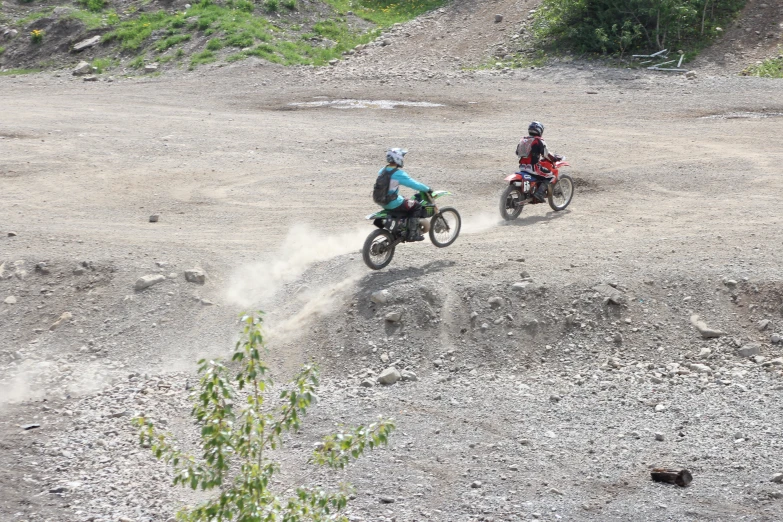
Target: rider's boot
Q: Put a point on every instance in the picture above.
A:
(540, 193)
(414, 233)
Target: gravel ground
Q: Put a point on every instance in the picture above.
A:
(547, 394)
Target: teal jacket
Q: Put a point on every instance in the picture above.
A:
(401, 178)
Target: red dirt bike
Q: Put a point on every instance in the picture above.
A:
(522, 185)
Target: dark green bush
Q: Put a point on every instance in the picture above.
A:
(618, 26)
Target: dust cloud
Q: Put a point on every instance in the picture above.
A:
(257, 283)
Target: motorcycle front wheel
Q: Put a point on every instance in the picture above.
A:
(561, 193)
(510, 203)
(445, 227)
(378, 249)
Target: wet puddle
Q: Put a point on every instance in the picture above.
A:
(365, 104)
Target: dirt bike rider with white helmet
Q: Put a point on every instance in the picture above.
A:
(386, 192)
(530, 150)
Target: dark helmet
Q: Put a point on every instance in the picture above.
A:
(536, 129)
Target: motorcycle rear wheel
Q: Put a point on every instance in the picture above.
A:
(445, 227)
(378, 249)
(561, 193)
(510, 207)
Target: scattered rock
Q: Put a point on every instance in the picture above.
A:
(30, 426)
(65, 317)
(705, 331)
(749, 350)
(389, 376)
(394, 317)
(151, 68)
(334, 61)
(777, 478)
(691, 75)
(367, 383)
(11, 299)
(700, 368)
(476, 484)
(408, 375)
(380, 297)
(12, 234)
(82, 68)
(495, 302)
(90, 78)
(763, 324)
(521, 286)
(498, 18)
(154, 218)
(775, 338)
(659, 437)
(660, 407)
(386, 500)
(438, 363)
(384, 357)
(774, 362)
(611, 294)
(195, 275)
(147, 281)
(84, 44)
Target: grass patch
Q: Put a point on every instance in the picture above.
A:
(104, 64)
(137, 63)
(203, 57)
(290, 5)
(32, 17)
(171, 41)
(94, 20)
(386, 12)
(769, 68)
(214, 44)
(11, 72)
(2, 49)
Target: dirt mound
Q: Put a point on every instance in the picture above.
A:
(755, 35)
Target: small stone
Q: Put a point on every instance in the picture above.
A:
(84, 44)
(12, 234)
(618, 338)
(408, 375)
(705, 331)
(774, 362)
(660, 407)
(386, 500)
(438, 363)
(521, 286)
(367, 383)
(554, 398)
(475, 484)
(700, 368)
(151, 68)
(82, 68)
(611, 294)
(147, 281)
(495, 302)
(775, 338)
(394, 317)
(691, 75)
(90, 78)
(78, 271)
(65, 317)
(154, 218)
(195, 275)
(484, 327)
(380, 297)
(389, 376)
(659, 437)
(704, 352)
(384, 357)
(763, 324)
(777, 478)
(498, 18)
(11, 299)
(749, 350)
(334, 61)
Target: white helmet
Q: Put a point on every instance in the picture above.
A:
(396, 156)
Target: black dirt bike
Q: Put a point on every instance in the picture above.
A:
(444, 226)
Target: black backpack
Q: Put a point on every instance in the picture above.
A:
(380, 192)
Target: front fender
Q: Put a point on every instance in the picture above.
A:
(513, 177)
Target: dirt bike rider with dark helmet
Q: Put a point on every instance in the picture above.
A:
(530, 150)
(386, 192)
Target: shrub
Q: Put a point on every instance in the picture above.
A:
(608, 26)
(37, 35)
(290, 5)
(93, 5)
(214, 44)
(237, 433)
(271, 5)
